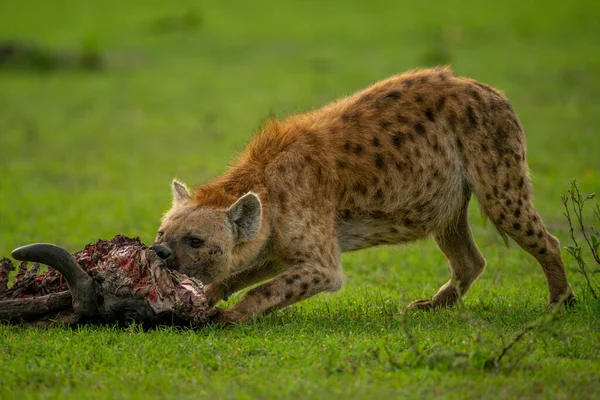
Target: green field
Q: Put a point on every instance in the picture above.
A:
(183, 85)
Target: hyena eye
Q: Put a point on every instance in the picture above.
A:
(194, 242)
(159, 234)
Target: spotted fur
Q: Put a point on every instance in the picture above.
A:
(393, 163)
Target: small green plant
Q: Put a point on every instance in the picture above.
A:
(574, 203)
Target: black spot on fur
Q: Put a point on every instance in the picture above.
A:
(408, 83)
(289, 294)
(344, 190)
(316, 280)
(517, 213)
(459, 144)
(508, 202)
(341, 164)
(358, 149)
(475, 95)
(346, 214)
(393, 95)
(282, 197)
(506, 185)
(379, 194)
(379, 163)
(289, 281)
(347, 146)
(375, 142)
(530, 232)
(542, 250)
(304, 286)
(267, 294)
(501, 218)
(419, 99)
(384, 124)
(397, 139)
(407, 221)
(429, 114)
(521, 183)
(517, 226)
(441, 102)
(423, 79)
(452, 120)
(419, 128)
(401, 118)
(471, 115)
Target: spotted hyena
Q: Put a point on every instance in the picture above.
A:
(393, 163)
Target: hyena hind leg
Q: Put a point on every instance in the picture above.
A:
(466, 264)
(519, 219)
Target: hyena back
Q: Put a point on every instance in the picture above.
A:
(393, 163)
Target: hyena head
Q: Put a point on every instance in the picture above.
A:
(199, 241)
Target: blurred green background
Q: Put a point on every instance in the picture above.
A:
(103, 102)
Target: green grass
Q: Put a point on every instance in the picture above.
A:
(90, 153)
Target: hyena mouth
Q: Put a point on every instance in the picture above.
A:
(173, 263)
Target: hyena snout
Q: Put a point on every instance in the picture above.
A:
(162, 251)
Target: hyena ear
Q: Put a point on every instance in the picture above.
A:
(245, 215)
(180, 193)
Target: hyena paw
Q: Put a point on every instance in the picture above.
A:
(425, 304)
(222, 317)
(568, 300)
(214, 293)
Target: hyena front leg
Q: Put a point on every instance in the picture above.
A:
(221, 290)
(312, 265)
(299, 282)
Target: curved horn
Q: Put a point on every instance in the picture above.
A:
(81, 285)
